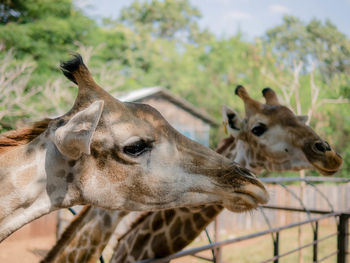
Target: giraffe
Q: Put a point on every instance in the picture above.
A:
(114, 155)
(156, 224)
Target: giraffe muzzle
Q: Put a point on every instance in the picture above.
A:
(249, 195)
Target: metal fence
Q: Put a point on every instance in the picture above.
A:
(341, 219)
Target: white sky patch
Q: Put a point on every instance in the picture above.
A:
(238, 15)
(279, 9)
(83, 3)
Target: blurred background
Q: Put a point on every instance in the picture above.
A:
(192, 53)
(198, 50)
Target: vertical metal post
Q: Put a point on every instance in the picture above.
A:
(315, 242)
(343, 238)
(300, 232)
(218, 250)
(276, 247)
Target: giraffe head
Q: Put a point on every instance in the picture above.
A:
(127, 156)
(272, 137)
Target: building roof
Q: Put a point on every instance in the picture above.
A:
(141, 94)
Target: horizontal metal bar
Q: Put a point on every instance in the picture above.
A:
(305, 179)
(298, 248)
(235, 240)
(326, 237)
(203, 258)
(326, 257)
(296, 209)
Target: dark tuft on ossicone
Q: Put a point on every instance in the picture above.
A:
(237, 88)
(70, 66)
(265, 90)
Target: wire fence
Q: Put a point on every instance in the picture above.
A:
(340, 220)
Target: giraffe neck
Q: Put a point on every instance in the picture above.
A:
(31, 184)
(236, 150)
(252, 158)
(89, 232)
(163, 233)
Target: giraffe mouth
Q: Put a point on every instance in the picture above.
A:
(326, 172)
(332, 164)
(247, 198)
(241, 203)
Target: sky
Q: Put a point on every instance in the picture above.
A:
(252, 17)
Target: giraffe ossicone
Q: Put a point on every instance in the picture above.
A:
(113, 155)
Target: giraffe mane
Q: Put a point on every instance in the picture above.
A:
(22, 136)
(71, 66)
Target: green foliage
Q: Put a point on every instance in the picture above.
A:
(27, 11)
(315, 42)
(44, 31)
(165, 19)
(159, 43)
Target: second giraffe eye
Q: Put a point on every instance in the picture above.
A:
(137, 148)
(259, 130)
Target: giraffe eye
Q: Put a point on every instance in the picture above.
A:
(259, 130)
(137, 148)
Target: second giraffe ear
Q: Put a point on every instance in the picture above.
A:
(232, 121)
(74, 138)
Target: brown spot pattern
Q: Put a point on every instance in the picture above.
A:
(139, 243)
(107, 221)
(189, 232)
(175, 229)
(160, 245)
(71, 163)
(70, 178)
(157, 221)
(169, 215)
(199, 220)
(210, 211)
(179, 243)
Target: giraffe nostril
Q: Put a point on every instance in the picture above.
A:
(322, 146)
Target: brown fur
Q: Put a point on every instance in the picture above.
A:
(22, 136)
(224, 144)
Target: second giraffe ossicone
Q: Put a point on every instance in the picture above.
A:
(113, 155)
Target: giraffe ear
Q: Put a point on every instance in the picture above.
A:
(303, 118)
(74, 138)
(232, 121)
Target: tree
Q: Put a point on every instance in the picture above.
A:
(315, 42)
(43, 30)
(170, 19)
